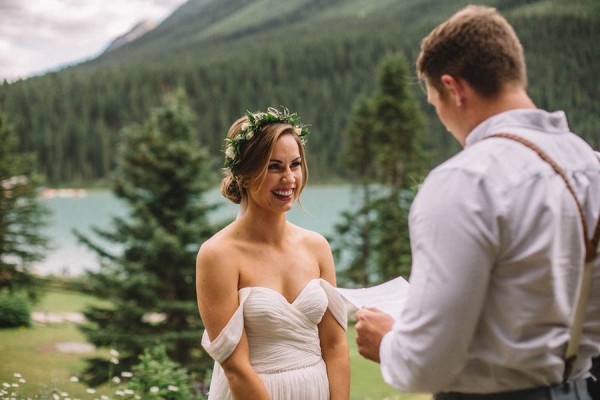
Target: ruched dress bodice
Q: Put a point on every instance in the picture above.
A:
(283, 338)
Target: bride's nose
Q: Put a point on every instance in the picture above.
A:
(287, 175)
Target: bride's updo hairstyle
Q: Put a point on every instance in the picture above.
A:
(249, 146)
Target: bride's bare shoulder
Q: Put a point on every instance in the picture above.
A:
(219, 248)
(310, 238)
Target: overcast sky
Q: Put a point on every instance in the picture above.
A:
(41, 35)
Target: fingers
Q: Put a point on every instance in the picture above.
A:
(364, 312)
(367, 340)
(371, 325)
(375, 309)
(368, 347)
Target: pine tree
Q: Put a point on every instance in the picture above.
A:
(353, 232)
(398, 127)
(21, 215)
(384, 147)
(162, 174)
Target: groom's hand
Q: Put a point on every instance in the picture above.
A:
(372, 324)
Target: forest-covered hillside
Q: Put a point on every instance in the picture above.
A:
(316, 57)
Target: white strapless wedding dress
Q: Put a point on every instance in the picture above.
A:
(284, 340)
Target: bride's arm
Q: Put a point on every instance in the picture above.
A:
(217, 293)
(334, 344)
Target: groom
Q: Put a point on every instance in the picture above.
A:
(496, 237)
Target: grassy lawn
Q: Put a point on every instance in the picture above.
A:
(32, 353)
(366, 381)
(55, 300)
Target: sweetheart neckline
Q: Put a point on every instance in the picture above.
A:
(281, 294)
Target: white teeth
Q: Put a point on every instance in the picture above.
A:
(284, 193)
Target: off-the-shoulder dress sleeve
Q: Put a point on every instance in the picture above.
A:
(337, 305)
(225, 343)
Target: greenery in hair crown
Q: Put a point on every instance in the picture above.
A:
(256, 121)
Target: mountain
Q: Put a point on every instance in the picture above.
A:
(317, 57)
(139, 29)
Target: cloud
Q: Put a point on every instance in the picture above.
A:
(37, 36)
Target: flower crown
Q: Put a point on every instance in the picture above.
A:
(233, 145)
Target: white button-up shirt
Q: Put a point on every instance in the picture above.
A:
(497, 254)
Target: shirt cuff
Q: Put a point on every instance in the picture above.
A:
(386, 359)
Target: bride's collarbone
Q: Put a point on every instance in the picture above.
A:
(284, 274)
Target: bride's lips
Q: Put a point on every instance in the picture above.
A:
(284, 194)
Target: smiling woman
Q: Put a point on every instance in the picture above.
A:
(274, 323)
(41, 36)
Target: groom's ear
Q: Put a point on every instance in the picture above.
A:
(455, 88)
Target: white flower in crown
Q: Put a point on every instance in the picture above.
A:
(253, 126)
(230, 152)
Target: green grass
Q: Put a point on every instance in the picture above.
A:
(56, 300)
(31, 352)
(366, 381)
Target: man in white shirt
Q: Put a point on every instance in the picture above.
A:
(497, 239)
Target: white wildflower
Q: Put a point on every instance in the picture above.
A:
(17, 375)
(90, 390)
(129, 392)
(120, 393)
(22, 380)
(173, 388)
(114, 353)
(126, 374)
(55, 396)
(114, 360)
(74, 379)
(154, 389)
(116, 380)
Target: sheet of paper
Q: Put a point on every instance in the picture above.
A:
(389, 297)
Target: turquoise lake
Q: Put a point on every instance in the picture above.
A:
(322, 207)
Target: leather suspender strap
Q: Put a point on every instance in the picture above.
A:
(591, 251)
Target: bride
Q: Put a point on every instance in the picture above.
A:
(266, 287)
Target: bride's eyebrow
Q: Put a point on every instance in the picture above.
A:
(275, 160)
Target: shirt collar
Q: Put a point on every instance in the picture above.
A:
(519, 120)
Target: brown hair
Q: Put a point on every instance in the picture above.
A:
(478, 45)
(254, 158)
